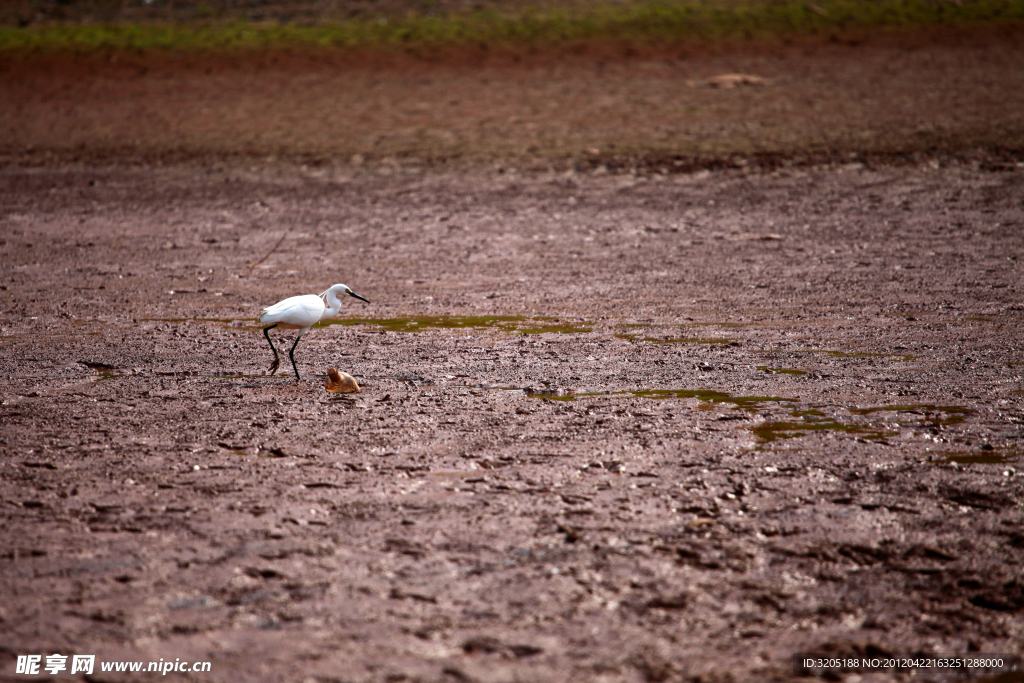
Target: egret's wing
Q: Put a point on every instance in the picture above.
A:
(297, 310)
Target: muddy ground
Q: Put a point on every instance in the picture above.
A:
(614, 426)
(853, 97)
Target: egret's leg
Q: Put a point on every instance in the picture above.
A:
(277, 360)
(291, 353)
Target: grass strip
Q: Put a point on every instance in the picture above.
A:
(644, 22)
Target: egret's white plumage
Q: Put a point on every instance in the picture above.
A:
(297, 312)
(300, 313)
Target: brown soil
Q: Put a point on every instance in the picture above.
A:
(941, 91)
(745, 414)
(302, 12)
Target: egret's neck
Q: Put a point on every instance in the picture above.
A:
(333, 305)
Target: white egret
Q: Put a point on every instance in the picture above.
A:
(300, 313)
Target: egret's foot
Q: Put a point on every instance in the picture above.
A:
(274, 366)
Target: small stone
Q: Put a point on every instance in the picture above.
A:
(340, 382)
(734, 80)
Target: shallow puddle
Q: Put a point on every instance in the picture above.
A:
(510, 323)
(689, 323)
(930, 414)
(516, 324)
(982, 457)
(803, 422)
(104, 371)
(748, 403)
(814, 420)
(110, 372)
(859, 354)
(790, 429)
(719, 341)
(560, 395)
(553, 325)
(195, 320)
(416, 381)
(233, 324)
(781, 371)
(426, 322)
(733, 326)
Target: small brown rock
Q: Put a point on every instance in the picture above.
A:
(340, 382)
(734, 80)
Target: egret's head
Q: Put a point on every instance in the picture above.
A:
(338, 290)
(351, 293)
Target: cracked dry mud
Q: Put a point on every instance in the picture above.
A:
(611, 427)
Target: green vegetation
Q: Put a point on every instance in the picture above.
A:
(508, 323)
(747, 403)
(638, 22)
(717, 341)
(781, 371)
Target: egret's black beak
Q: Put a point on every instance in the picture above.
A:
(351, 293)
